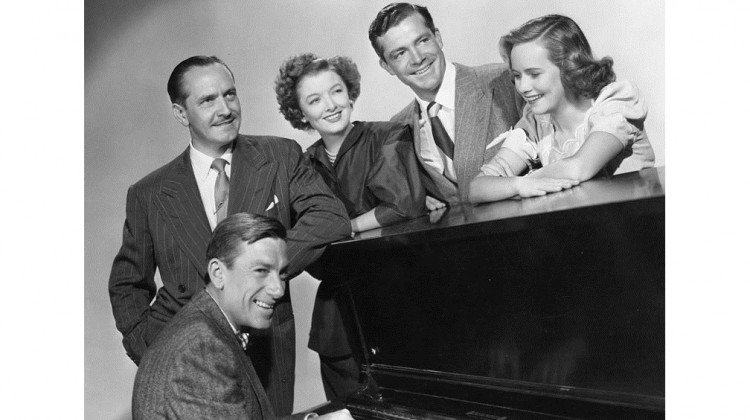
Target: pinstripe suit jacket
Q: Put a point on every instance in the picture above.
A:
(486, 106)
(196, 369)
(166, 228)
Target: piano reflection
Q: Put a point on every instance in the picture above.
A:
(541, 308)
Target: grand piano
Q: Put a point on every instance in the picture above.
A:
(541, 308)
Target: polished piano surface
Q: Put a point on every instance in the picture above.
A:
(541, 308)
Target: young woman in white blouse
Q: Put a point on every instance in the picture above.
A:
(578, 121)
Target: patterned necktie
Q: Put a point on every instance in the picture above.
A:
(442, 139)
(221, 189)
(244, 339)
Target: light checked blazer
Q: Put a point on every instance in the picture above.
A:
(486, 106)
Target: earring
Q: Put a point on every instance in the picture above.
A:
(304, 120)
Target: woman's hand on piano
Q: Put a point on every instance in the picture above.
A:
(534, 187)
(337, 415)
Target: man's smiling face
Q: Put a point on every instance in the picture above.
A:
(254, 282)
(415, 55)
(212, 109)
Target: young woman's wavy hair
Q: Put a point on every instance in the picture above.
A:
(568, 49)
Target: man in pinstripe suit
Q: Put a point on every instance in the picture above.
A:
(171, 212)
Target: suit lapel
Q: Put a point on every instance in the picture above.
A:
(472, 115)
(415, 131)
(211, 309)
(180, 200)
(250, 189)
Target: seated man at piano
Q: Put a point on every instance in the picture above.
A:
(197, 367)
(578, 121)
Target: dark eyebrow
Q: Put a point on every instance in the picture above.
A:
(232, 90)
(532, 69)
(259, 263)
(208, 97)
(396, 51)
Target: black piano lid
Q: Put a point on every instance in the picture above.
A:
(549, 305)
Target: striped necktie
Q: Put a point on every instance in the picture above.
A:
(441, 137)
(221, 189)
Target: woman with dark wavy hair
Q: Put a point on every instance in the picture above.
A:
(578, 121)
(370, 166)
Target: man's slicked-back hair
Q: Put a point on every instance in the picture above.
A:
(238, 229)
(174, 85)
(391, 16)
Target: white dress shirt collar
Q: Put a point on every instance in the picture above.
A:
(446, 95)
(242, 337)
(202, 162)
(234, 329)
